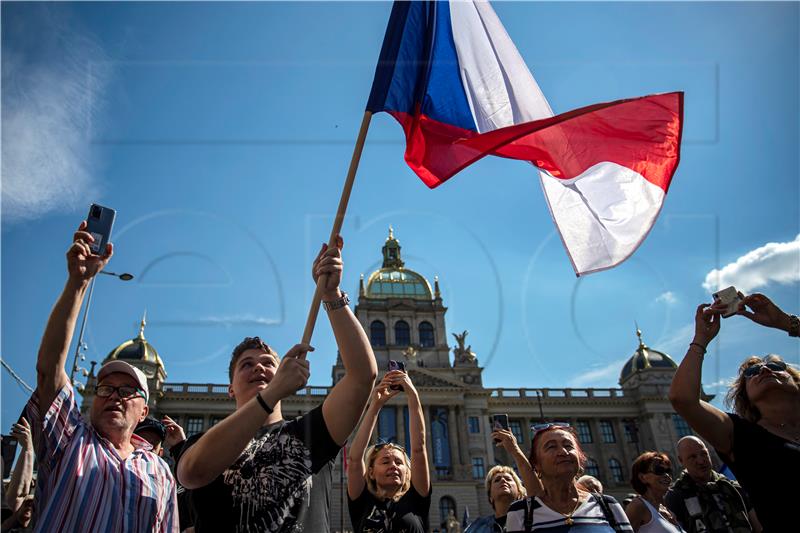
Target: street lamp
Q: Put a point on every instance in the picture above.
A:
(81, 345)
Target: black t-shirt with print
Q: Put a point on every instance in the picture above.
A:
(409, 514)
(280, 483)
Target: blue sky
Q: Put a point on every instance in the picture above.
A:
(221, 133)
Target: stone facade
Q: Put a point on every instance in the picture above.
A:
(405, 320)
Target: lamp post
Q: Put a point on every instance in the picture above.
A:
(81, 345)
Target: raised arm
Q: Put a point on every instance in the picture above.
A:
(21, 477)
(355, 454)
(763, 311)
(684, 393)
(345, 403)
(508, 442)
(222, 445)
(82, 266)
(420, 473)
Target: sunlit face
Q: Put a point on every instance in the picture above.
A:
(557, 454)
(694, 457)
(252, 373)
(658, 477)
(115, 414)
(389, 469)
(766, 381)
(503, 486)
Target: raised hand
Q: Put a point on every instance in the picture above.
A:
(328, 264)
(21, 432)
(382, 393)
(82, 264)
(763, 311)
(706, 322)
(505, 439)
(293, 371)
(175, 433)
(400, 379)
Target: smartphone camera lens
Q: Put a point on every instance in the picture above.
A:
(95, 212)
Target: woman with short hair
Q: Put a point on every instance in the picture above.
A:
(503, 487)
(558, 460)
(762, 435)
(651, 477)
(387, 492)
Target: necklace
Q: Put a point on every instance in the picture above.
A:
(783, 427)
(568, 520)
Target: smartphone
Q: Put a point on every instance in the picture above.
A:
(99, 223)
(729, 297)
(396, 365)
(499, 422)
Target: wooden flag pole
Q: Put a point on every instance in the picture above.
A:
(337, 222)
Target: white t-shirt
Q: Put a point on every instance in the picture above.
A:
(587, 518)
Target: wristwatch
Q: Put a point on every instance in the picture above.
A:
(338, 303)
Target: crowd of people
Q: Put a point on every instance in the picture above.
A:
(257, 471)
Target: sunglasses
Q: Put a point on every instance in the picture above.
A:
(752, 371)
(382, 444)
(660, 470)
(124, 392)
(536, 428)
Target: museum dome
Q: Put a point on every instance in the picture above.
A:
(393, 280)
(137, 352)
(645, 358)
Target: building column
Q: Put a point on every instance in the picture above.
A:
(400, 425)
(452, 436)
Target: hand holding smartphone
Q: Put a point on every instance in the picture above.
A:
(99, 224)
(729, 297)
(499, 422)
(396, 365)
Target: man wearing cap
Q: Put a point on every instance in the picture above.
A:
(96, 475)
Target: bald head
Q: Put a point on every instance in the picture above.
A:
(693, 456)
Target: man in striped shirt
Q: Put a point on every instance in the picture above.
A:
(95, 476)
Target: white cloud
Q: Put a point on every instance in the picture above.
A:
(775, 262)
(602, 376)
(47, 114)
(668, 298)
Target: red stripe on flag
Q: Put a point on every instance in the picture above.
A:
(643, 134)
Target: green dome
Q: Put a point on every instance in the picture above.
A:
(398, 283)
(393, 280)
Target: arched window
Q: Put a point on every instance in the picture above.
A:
(402, 333)
(446, 504)
(426, 339)
(377, 333)
(616, 471)
(592, 469)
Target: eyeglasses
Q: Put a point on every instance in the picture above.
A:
(660, 470)
(124, 392)
(536, 428)
(752, 371)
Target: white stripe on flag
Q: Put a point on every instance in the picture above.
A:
(603, 214)
(500, 89)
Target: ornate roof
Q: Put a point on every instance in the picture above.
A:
(645, 358)
(393, 279)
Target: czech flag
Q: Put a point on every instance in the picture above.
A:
(450, 75)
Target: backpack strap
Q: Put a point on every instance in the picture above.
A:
(605, 504)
